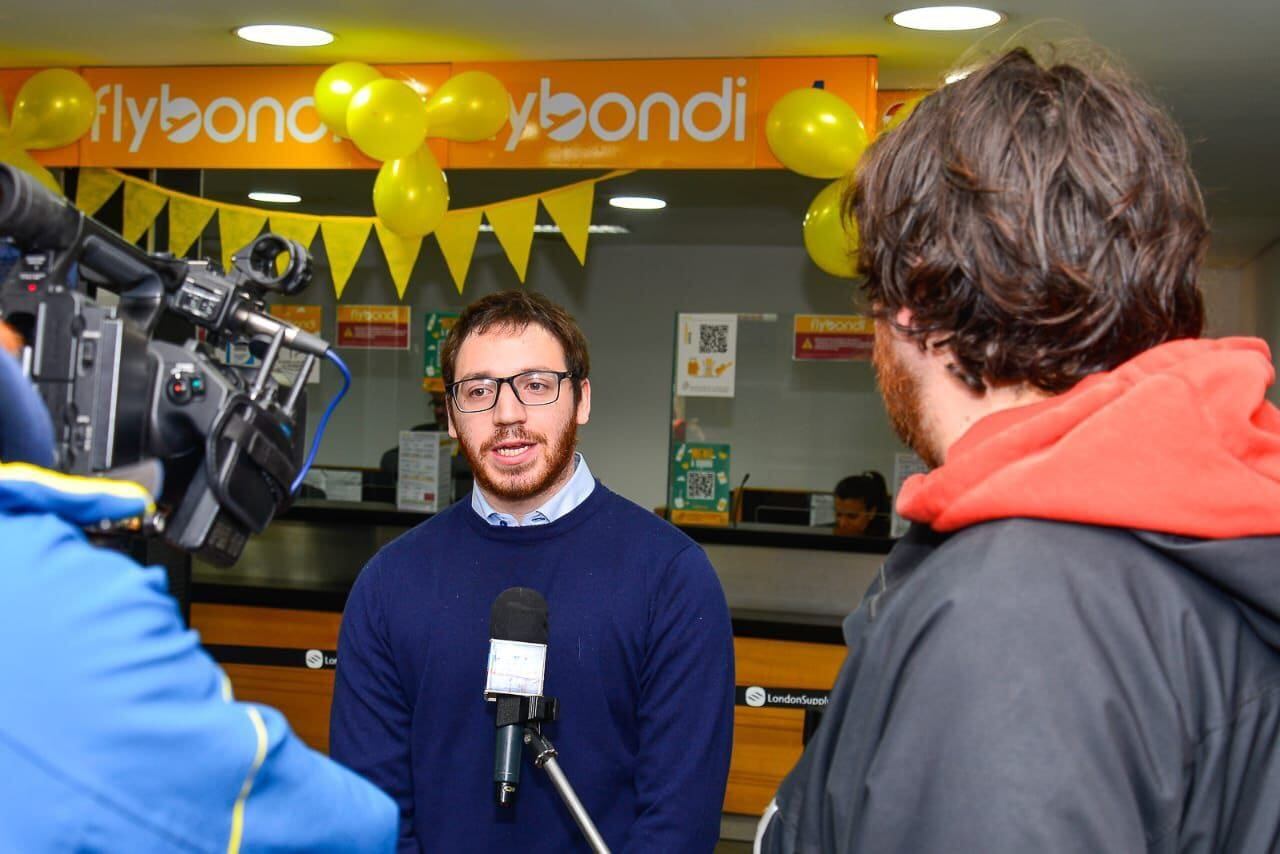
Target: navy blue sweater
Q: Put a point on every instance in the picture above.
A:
(640, 656)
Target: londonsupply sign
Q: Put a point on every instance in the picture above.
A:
(675, 114)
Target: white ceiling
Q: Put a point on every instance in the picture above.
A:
(1213, 64)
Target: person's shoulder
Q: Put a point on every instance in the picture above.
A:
(412, 549)
(658, 533)
(1038, 578)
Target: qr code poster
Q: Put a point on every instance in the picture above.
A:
(699, 484)
(706, 353)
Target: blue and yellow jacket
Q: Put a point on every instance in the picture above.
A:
(117, 731)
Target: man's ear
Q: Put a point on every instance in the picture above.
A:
(584, 403)
(904, 318)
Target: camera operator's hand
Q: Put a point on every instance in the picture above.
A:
(10, 341)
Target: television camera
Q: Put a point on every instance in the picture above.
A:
(227, 440)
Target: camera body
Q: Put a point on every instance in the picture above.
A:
(228, 440)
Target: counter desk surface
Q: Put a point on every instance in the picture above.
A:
(309, 558)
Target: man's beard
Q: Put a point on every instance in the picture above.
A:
(519, 487)
(901, 392)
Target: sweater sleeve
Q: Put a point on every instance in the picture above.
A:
(686, 713)
(370, 719)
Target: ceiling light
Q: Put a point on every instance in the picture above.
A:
(946, 18)
(284, 35)
(275, 198)
(637, 203)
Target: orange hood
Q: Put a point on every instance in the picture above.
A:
(1179, 440)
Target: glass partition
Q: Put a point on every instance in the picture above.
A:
(776, 421)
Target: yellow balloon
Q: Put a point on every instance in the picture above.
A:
(387, 120)
(55, 107)
(335, 88)
(469, 107)
(830, 244)
(411, 195)
(815, 133)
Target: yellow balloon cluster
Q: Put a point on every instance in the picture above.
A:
(54, 107)
(815, 133)
(389, 121)
(829, 242)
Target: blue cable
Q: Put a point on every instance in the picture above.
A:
(324, 419)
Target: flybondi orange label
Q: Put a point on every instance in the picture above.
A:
(669, 114)
(243, 117)
(691, 114)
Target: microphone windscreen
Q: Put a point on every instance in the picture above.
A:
(519, 614)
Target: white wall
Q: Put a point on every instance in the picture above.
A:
(1263, 278)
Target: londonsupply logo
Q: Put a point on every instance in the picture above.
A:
(756, 696)
(182, 120)
(613, 116)
(315, 659)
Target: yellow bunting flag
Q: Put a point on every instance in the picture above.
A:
(13, 154)
(94, 187)
(344, 240)
(187, 220)
(237, 227)
(300, 228)
(402, 254)
(570, 209)
(142, 204)
(513, 225)
(456, 235)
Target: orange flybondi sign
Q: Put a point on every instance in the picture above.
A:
(670, 114)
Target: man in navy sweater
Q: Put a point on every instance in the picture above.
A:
(640, 651)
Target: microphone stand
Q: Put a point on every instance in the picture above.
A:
(531, 712)
(545, 758)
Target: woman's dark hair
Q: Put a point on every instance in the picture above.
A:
(515, 310)
(869, 486)
(1040, 223)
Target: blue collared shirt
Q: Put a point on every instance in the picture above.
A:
(570, 496)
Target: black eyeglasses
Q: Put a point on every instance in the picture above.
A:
(531, 388)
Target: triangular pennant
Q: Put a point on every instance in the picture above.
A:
(344, 240)
(457, 234)
(237, 227)
(94, 187)
(402, 254)
(187, 220)
(300, 228)
(142, 204)
(570, 209)
(14, 155)
(513, 225)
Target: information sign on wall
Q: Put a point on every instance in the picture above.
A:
(706, 352)
(435, 330)
(833, 337)
(373, 327)
(699, 484)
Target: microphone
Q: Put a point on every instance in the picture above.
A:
(517, 664)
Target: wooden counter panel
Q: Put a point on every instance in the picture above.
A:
(766, 741)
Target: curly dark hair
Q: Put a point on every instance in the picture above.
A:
(1040, 223)
(515, 310)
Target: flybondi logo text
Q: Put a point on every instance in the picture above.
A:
(223, 120)
(612, 117)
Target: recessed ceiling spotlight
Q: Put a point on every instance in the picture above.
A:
(637, 203)
(284, 35)
(946, 18)
(275, 198)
